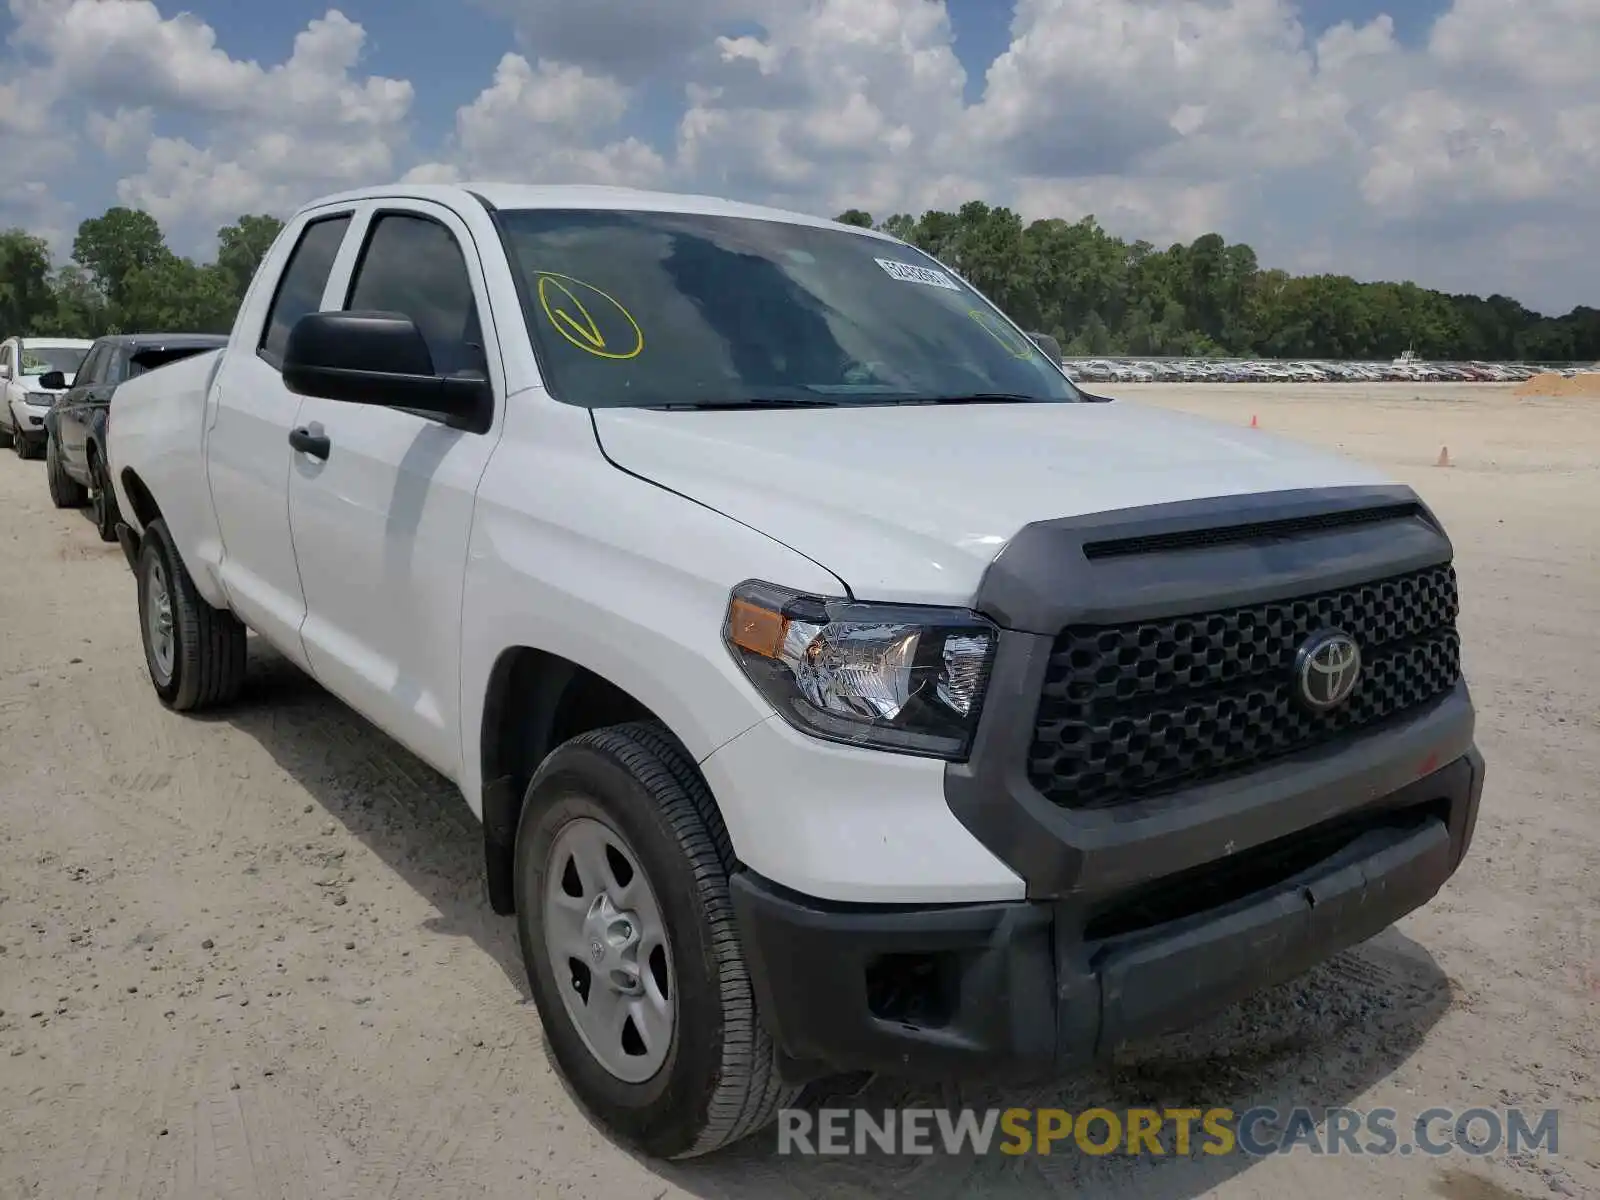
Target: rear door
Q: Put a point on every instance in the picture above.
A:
(381, 525)
(250, 415)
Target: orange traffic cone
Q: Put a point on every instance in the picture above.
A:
(1444, 457)
(1254, 424)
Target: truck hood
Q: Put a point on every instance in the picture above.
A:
(912, 503)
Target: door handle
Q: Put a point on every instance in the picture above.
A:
(315, 444)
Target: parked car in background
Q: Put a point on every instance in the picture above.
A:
(24, 361)
(75, 428)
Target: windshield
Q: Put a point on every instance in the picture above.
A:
(40, 360)
(645, 309)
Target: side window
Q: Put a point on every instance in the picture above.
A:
(7, 358)
(413, 265)
(304, 278)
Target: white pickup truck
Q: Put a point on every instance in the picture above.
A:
(840, 689)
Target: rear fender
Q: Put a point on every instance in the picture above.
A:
(155, 453)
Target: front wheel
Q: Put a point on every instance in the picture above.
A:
(195, 653)
(628, 933)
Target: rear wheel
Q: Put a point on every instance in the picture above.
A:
(103, 500)
(632, 952)
(195, 653)
(9, 438)
(65, 491)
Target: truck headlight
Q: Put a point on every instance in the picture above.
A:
(892, 677)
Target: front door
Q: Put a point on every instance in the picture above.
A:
(381, 524)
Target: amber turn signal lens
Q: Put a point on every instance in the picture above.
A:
(756, 629)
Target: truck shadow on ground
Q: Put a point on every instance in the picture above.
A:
(1319, 1041)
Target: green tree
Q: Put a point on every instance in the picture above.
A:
(1096, 293)
(240, 249)
(79, 309)
(175, 294)
(111, 247)
(25, 295)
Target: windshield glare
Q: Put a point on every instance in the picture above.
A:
(637, 309)
(41, 360)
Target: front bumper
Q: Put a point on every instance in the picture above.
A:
(1045, 984)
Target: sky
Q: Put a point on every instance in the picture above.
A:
(1451, 142)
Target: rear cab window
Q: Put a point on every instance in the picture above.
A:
(304, 279)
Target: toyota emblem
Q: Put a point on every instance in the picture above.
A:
(1326, 670)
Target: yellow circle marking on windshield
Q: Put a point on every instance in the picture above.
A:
(991, 326)
(573, 320)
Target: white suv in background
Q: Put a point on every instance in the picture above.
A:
(22, 361)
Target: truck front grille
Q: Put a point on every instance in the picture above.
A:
(1133, 710)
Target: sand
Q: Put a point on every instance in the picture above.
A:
(249, 956)
(1585, 383)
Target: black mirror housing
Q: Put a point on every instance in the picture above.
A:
(53, 381)
(381, 359)
(1048, 344)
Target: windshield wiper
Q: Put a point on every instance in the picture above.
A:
(757, 402)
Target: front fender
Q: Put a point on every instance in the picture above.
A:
(576, 558)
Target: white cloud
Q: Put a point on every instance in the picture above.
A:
(125, 130)
(626, 38)
(545, 122)
(1470, 160)
(843, 103)
(273, 136)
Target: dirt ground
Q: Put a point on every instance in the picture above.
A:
(249, 955)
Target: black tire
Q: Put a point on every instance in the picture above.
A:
(65, 491)
(8, 438)
(208, 658)
(720, 1081)
(103, 500)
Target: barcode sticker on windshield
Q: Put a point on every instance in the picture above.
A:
(908, 273)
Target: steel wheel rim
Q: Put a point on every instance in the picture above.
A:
(158, 619)
(608, 950)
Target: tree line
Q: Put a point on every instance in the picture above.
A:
(1099, 295)
(123, 277)
(1095, 293)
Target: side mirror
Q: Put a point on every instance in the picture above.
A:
(1048, 344)
(381, 359)
(53, 381)
(5, 371)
